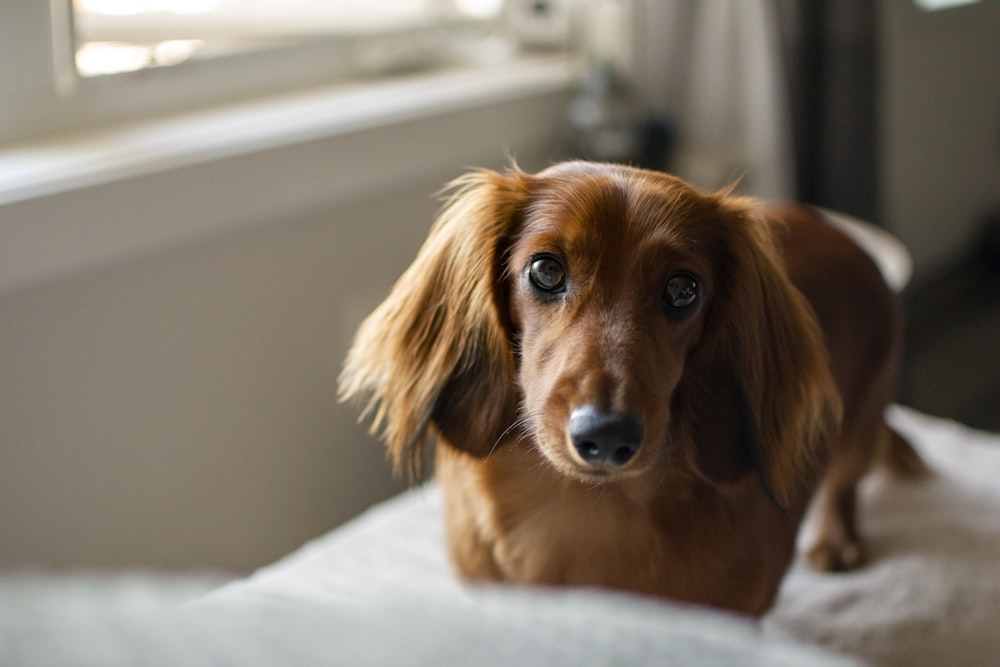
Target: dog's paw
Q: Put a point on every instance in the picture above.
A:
(839, 556)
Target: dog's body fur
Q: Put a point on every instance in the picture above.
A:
(636, 385)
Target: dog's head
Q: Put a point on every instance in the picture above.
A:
(616, 319)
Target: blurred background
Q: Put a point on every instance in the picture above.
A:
(200, 200)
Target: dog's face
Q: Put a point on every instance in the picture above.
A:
(610, 285)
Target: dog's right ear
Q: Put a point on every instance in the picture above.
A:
(437, 351)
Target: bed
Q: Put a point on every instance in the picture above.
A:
(379, 591)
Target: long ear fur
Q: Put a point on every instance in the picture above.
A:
(761, 375)
(436, 352)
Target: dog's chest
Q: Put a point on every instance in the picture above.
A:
(559, 532)
(514, 519)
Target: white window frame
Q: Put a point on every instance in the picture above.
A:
(40, 93)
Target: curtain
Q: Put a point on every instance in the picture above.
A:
(830, 55)
(733, 113)
(781, 94)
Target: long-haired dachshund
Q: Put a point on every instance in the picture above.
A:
(634, 384)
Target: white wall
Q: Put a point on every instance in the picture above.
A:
(173, 405)
(940, 123)
(178, 409)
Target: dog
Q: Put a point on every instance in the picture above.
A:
(636, 385)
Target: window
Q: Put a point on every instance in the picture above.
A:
(70, 64)
(128, 35)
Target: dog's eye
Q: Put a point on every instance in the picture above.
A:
(681, 292)
(547, 273)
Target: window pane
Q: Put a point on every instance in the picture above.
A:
(128, 35)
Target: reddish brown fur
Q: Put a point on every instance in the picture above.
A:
(740, 408)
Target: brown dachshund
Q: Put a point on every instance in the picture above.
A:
(635, 385)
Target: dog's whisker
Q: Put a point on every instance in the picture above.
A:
(522, 423)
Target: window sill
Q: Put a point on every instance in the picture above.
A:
(47, 167)
(71, 202)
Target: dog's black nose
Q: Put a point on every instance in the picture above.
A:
(604, 439)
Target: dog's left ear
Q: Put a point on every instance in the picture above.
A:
(762, 378)
(436, 352)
